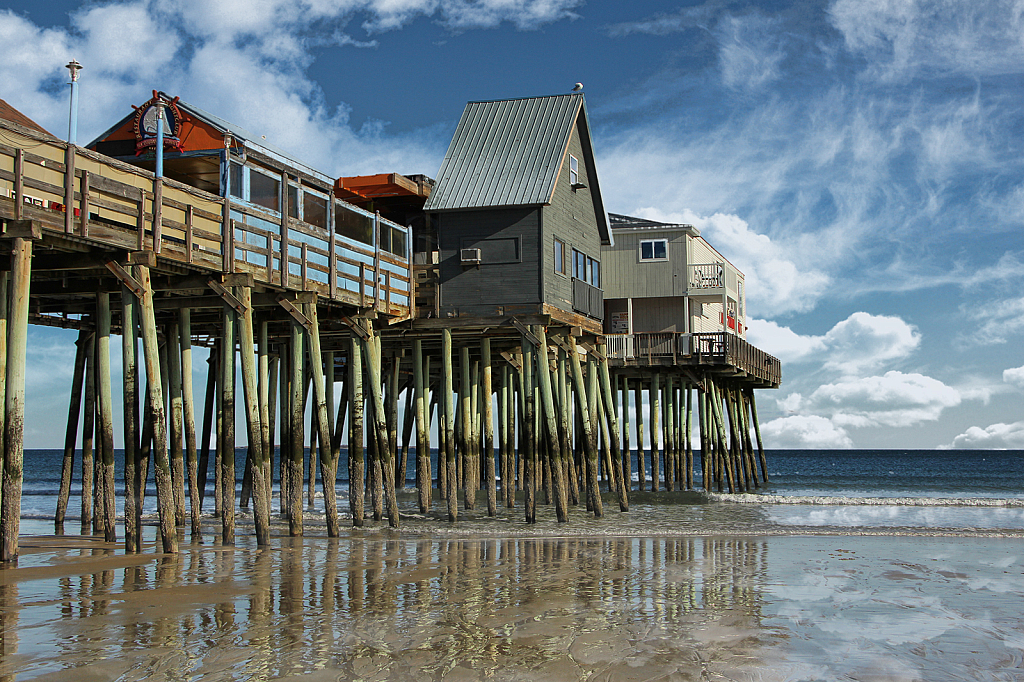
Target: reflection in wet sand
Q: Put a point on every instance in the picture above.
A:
(376, 606)
(520, 608)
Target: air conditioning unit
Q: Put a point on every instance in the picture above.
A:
(470, 255)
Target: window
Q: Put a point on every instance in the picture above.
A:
(595, 272)
(235, 180)
(314, 209)
(653, 249)
(574, 170)
(264, 190)
(293, 201)
(353, 225)
(560, 261)
(579, 265)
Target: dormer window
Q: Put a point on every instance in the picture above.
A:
(574, 170)
(653, 250)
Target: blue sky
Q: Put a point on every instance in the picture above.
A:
(860, 160)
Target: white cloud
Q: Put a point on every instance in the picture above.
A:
(750, 53)
(902, 38)
(995, 322)
(805, 431)
(997, 436)
(864, 341)
(783, 342)
(893, 399)
(860, 343)
(1014, 376)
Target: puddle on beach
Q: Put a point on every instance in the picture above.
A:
(378, 604)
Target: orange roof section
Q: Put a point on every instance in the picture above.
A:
(9, 113)
(362, 188)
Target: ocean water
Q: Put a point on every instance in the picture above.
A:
(927, 489)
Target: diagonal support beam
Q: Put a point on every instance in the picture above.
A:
(126, 278)
(295, 313)
(229, 298)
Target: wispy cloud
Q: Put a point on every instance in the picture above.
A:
(909, 38)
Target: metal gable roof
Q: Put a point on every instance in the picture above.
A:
(506, 153)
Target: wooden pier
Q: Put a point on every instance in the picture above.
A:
(532, 397)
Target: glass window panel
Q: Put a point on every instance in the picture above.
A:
(397, 242)
(235, 180)
(353, 225)
(314, 209)
(574, 170)
(661, 249)
(293, 202)
(264, 190)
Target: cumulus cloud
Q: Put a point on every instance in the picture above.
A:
(805, 431)
(893, 399)
(864, 341)
(1014, 376)
(860, 343)
(996, 436)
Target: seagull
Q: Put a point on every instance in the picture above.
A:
(577, 87)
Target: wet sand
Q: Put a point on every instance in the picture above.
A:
(425, 603)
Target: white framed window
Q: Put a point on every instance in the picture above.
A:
(653, 250)
(574, 170)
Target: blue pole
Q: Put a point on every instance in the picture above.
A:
(159, 138)
(74, 67)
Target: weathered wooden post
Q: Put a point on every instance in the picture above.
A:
(488, 424)
(641, 464)
(627, 468)
(551, 420)
(295, 431)
(419, 385)
(529, 422)
(88, 432)
(356, 466)
(189, 415)
(254, 420)
(588, 431)
(23, 233)
(75, 407)
(655, 407)
(668, 405)
(466, 435)
(208, 421)
(154, 389)
(175, 416)
(373, 366)
(226, 444)
(266, 393)
(448, 419)
(106, 414)
(757, 434)
(132, 465)
(688, 436)
(622, 483)
(328, 464)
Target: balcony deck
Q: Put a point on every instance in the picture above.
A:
(89, 204)
(723, 353)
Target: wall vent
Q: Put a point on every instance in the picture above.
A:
(470, 255)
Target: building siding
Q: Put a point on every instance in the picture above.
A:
(472, 290)
(572, 218)
(627, 276)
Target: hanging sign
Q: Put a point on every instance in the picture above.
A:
(146, 124)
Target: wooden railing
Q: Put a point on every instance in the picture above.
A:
(87, 195)
(701, 349)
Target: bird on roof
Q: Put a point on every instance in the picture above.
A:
(578, 87)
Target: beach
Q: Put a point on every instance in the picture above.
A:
(726, 595)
